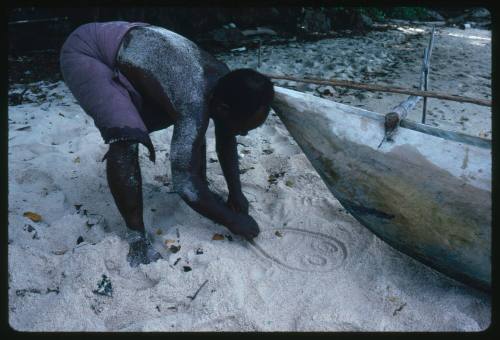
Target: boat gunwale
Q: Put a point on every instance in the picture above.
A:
(405, 123)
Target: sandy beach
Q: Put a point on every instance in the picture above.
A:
(313, 267)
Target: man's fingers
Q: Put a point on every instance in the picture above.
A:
(233, 207)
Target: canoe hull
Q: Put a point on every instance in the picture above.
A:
(427, 196)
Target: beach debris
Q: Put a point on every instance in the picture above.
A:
(159, 231)
(289, 183)
(199, 289)
(169, 241)
(239, 49)
(77, 207)
(55, 290)
(60, 251)
(96, 308)
(177, 233)
(187, 268)
(199, 251)
(278, 233)
(32, 216)
(258, 31)
(27, 127)
(268, 151)
(93, 219)
(162, 179)
(104, 287)
(76, 160)
(171, 246)
(229, 238)
(218, 237)
(242, 171)
(483, 134)
(79, 240)
(326, 90)
(29, 228)
(399, 309)
(60, 114)
(177, 261)
(22, 292)
(174, 249)
(18, 98)
(213, 160)
(273, 178)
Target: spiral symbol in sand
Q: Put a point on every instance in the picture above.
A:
(301, 250)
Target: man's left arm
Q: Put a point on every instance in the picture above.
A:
(227, 152)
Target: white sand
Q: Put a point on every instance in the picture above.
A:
(326, 272)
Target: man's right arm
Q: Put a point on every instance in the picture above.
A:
(185, 156)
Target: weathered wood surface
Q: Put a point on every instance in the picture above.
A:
(428, 193)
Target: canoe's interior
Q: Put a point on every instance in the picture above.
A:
(405, 124)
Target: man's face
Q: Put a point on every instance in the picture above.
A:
(243, 127)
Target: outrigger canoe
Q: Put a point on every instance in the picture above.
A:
(427, 193)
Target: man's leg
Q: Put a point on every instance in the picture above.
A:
(125, 182)
(203, 165)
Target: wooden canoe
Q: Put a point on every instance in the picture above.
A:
(427, 193)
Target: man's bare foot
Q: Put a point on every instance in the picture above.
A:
(141, 250)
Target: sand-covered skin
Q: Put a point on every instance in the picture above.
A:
(313, 267)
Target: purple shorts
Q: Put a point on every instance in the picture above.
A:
(88, 66)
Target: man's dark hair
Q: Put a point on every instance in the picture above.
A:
(244, 91)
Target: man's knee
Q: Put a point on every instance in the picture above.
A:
(122, 150)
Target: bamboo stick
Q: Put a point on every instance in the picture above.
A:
(427, 64)
(382, 88)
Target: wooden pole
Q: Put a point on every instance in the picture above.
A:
(427, 61)
(382, 88)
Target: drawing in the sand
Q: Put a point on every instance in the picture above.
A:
(301, 250)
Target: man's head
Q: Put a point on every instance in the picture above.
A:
(241, 100)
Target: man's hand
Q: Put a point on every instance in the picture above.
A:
(245, 226)
(238, 203)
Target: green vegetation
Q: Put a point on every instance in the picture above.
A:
(407, 13)
(382, 13)
(375, 13)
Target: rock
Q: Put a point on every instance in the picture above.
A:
(326, 90)
(365, 20)
(480, 13)
(104, 287)
(227, 36)
(315, 20)
(258, 31)
(239, 49)
(433, 15)
(368, 69)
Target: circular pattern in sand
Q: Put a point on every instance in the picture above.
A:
(301, 250)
